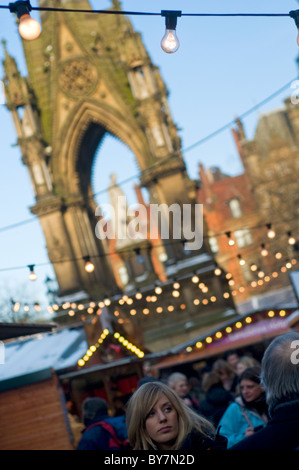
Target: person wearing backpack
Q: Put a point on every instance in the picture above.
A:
(102, 432)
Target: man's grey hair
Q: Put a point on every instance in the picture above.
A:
(175, 377)
(280, 374)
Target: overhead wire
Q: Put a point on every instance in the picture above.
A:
(184, 150)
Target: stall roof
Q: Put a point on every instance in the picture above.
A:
(14, 330)
(259, 328)
(52, 351)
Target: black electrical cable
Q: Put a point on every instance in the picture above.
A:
(187, 149)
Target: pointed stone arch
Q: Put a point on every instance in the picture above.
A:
(81, 91)
(81, 137)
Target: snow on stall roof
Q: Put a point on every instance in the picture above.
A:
(58, 350)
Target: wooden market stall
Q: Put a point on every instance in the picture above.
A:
(38, 378)
(248, 333)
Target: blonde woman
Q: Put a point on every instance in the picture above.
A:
(158, 419)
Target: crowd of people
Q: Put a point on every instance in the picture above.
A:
(237, 403)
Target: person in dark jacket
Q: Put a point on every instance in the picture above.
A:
(280, 379)
(158, 419)
(216, 398)
(95, 436)
(179, 383)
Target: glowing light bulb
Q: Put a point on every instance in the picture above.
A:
(241, 260)
(271, 233)
(217, 271)
(28, 27)
(291, 239)
(32, 275)
(170, 42)
(89, 266)
(264, 251)
(231, 242)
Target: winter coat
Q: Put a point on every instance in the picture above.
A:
(215, 403)
(235, 421)
(281, 432)
(195, 441)
(97, 438)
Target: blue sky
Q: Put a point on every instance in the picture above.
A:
(225, 66)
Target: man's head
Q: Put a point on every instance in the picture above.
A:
(232, 358)
(280, 369)
(178, 382)
(93, 408)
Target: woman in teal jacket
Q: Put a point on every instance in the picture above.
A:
(249, 412)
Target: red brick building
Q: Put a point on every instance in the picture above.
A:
(237, 218)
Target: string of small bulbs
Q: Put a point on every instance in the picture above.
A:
(235, 326)
(95, 307)
(121, 339)
(30, 28)
(89, 266)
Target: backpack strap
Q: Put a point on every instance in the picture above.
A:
(114, 441)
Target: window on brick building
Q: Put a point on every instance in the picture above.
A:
(243, 237)
(213, 244)
(235, 208)
(247, 273)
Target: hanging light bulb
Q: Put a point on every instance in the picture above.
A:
(264, 251)
(231, 242)
(217, 270)
(16, 306)
(170, 42)
(253, 267)
(89, 266)
(32, 275)
(271, 233)
(291, 239)
(158, 290)
(241, 260)
(295, 15)
(28, 27)
(261, 274)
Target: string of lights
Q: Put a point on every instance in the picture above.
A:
(108, 334)
(168, 15)
(89, 266)
(236, 326)
(96, 307)
(30, 29)
(187, 149)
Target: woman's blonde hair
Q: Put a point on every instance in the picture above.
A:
(142, 402)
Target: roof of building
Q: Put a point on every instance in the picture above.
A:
(30, 357)
(15, 330)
